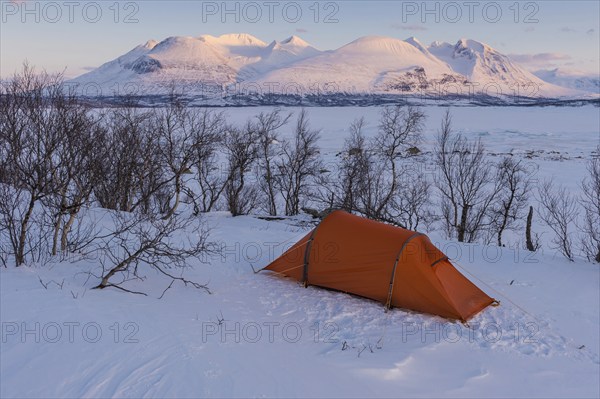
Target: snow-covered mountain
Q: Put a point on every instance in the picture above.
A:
(279, 54)
(491, 71)
(369, 64)
(208, 65)
(196, 62)
(570, 78)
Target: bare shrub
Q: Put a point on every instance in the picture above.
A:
(131, 175)
(299, 165)
(267, 126)
(509, 205)
(354, 168)
(30, 134)
(138, 241)
(76, 171)
(13, 209)
(466, 183)
(186, 140)
(382, 178)
(413, 202)
(590, 201)
(558, 209)
(210, 127)
(241, 153)
(399, 129)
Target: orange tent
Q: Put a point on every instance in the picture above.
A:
(398, 267)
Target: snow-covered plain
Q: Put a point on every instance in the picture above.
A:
(547, 138)
(259, 335)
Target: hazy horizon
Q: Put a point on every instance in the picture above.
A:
(76, 37)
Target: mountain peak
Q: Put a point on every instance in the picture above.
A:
(381, 45)
(234, 39)
(295, 41)
(372, 38)
(416, 43)
(150, 44)
(241, 38)
(473, 45)
(439, 44)
(282, 53)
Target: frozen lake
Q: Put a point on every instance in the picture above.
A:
(562, 139)
(568, 129)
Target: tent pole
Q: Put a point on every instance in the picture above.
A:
(388, 304)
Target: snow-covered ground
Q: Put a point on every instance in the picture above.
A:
(259, 335)
(281, 340)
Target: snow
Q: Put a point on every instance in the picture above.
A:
(282, 53)
(542, 341)
(485, 65)
(173, 346)
(368, 65)
(150, 44)
(571, 78)
(572, 131)
(296, 41)
(415, 42)
(360, 66)
(235, 39)
(195, 62)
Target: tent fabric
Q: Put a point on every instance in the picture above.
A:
(395, 266)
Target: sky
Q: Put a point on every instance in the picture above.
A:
(76, 36)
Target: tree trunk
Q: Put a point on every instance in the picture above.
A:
(20, 255)
(57, 225)
(529, 242)
(505, 217)
(502, 227)
(64, 241)
(463, 223)
(177, 199)
(270, 188)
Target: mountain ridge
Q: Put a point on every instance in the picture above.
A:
(369, 65)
